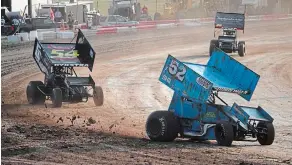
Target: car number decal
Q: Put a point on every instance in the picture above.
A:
(64, 54)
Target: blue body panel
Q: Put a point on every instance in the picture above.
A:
(239, 115)
(258, 114)
(194, 83)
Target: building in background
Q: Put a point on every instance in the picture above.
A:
(78, 9)
(20, 5)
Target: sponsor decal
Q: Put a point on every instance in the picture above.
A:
(163, 125)
(77, 65)
(203, 82)
(229, 19)
(210, 115)
(237, 91)
(167, 79)
(61, 47)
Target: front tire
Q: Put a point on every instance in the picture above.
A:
(241, 48)
(224, 133)
(267, 135)
(33, 94)
(57, 97)
(162, 126)
(98, 96)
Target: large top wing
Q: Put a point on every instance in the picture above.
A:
(222, 73)
(230, 20)
(80, 54)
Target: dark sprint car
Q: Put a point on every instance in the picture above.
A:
(61, 84)
(229, 23)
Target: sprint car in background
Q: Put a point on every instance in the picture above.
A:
(195, 111)
(61, 83)
(230, 23)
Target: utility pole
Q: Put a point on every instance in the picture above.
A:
(77, 11)
(29, 5)
(156, 6)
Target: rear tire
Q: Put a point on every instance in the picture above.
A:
(162, 126)
(269, 136)
(213, 45)
(98, 96)
(33, 94)
(241, 48)
(57, 97)
(224, 133)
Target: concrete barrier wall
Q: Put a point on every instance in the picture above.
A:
(183, 22)
(144, 25)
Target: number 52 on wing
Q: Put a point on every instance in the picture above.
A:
(175, 71)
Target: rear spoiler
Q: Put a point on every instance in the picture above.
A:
(222, 73)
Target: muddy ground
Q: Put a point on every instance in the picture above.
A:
(128, 67)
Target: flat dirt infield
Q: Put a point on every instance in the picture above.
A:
(127, 67)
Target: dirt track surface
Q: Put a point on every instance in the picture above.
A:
(128, 67)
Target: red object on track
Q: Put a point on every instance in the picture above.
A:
(107, 31)
(144, 27)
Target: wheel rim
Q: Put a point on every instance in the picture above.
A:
(263, 135)
(154, 127)
(95, 94)
(221, 133)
